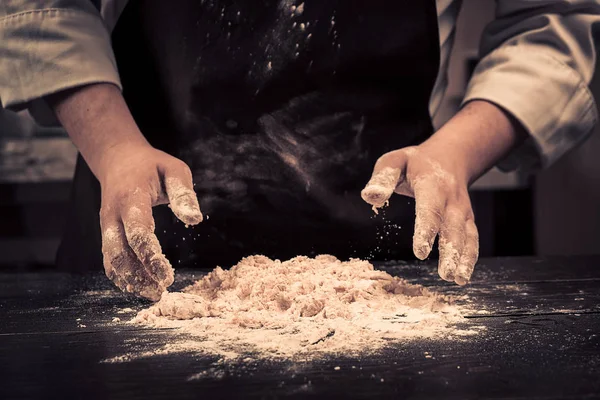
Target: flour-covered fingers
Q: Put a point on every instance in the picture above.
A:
(451, 243)
(387, 175)
(429, 204)
(136, 214)
(469, 255)
(180, 192)
(109, 223)
(122, 265)
(111, 261)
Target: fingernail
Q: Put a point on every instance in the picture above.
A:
(187, 210)
(422, 251)
(381, 187)
(376, 195)
(421, 246)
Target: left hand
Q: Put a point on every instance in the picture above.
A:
(442, 206)
(437, 174)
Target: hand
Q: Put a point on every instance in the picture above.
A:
(135, 178)
(442, 206)
(437, 174)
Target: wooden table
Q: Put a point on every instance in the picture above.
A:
(542, 342)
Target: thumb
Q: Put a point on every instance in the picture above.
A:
(386, 177)
(182, 198)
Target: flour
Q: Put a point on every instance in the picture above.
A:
(301, 308)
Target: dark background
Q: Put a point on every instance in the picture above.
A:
(552, 212)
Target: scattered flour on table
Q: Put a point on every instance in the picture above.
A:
(302, 308)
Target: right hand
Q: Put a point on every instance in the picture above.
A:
(435, 179)
(134, 178)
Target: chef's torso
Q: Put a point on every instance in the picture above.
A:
(281, 109)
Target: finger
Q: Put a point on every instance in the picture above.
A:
(386, 177)
(469, 255)
(452, 241)
(138, 222)
(180, 191)
(429, 203)
(122, 266)
(110, 242)
(128, 273)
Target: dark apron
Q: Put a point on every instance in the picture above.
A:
(281, 110)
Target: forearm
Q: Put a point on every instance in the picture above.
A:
(134, 177)
(537, 60)
(475, 139)
(97, 120)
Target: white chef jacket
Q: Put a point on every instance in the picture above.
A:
(537, 60)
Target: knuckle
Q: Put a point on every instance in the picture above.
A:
(106, 211)
(455, 215)
(472, 231)
(385, 157)
(467, 209)
(178, 167)
(121, 200)
(137, 238)
(138, 225)
(391, 157)
(429, 215)
(118, 193)
(459, 197)
(469, 261)
(137, 218)
(429, 191)
(126, 199)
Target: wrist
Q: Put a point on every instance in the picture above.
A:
(115, 155)
(475, 139)
(452, 157)
(99, 123)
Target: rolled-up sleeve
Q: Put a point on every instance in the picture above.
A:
(49, 46)
(538, 58)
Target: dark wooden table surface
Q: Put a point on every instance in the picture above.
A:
(542, 342)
